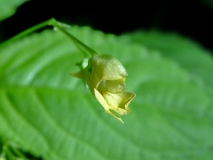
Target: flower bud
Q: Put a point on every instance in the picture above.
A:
(105, 77)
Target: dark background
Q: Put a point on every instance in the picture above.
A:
(193, 19)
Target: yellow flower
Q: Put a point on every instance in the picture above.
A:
(105, 77)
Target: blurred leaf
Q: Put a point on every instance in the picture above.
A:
(8, 7)
(208, 3)
(53, 115)
(189, 55)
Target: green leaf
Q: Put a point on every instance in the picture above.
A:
(8, 7)
(54, 116)
(189, 55)
(207, 3)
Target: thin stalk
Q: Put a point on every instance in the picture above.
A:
(26, 32)
(81, 46)
(77, 42)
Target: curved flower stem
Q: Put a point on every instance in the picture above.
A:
(78, 43)
(24, 33)
(81, 46)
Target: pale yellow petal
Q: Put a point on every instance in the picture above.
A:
(103, 102)
(119, 102)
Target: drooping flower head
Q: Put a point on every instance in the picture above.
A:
(105, 77)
